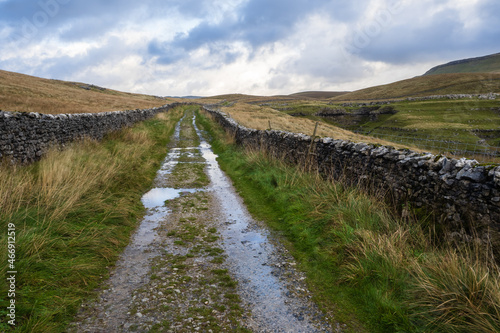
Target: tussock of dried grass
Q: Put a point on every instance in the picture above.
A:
(460, 291)
(62, 178)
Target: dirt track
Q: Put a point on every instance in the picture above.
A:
(199, 262)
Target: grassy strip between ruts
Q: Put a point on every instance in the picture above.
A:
(74, 212)
(378, 273)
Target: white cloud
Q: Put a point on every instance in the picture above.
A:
(184, 47)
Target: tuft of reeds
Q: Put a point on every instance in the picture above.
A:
(457, 291)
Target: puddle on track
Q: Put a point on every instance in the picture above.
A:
(156, 197)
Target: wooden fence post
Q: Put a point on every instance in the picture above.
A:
(308, 162)
(313, 137)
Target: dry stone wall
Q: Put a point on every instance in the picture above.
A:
(462, 194)
(24, 137)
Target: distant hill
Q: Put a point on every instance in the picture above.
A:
(255, 99)
(486, 64)
(19, 92)
(439, 84)
(319, 94)
(186, 97)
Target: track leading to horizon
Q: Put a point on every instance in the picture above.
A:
(198, 261)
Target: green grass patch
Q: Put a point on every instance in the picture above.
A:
(188, 137)
(190, 171)
(190, 175)
(464, 127)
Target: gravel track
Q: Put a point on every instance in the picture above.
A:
(199, 262)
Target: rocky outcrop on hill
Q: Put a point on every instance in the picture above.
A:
(362, 111)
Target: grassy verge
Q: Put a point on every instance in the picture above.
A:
(376, 272)
(73, 212)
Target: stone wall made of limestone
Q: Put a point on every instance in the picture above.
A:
(25, 137)
(462, 194)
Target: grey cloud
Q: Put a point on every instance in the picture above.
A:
(191, 8)
(88, 28)
(262, 21)
(404, 43)
(346, 10)
(63, 10)
(165, 53)
(258, 22)
(489, 33)
(85, 18)
(328, 66)
(279, 81)
(442, 35)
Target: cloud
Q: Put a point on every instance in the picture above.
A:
(110, 50)
(202, 47)
(32, 21)
(488, 31)
(317, 54)
(256, 23)
(265, 21)
(164, 53)
(70, 20)
(85, 29)
(419, 32)
(442, 33)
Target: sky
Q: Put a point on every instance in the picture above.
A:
(260, 47)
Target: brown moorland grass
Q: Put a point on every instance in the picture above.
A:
(253, 99)
(73, 212)
(19, 92)
(440, 84)
(259, 117)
